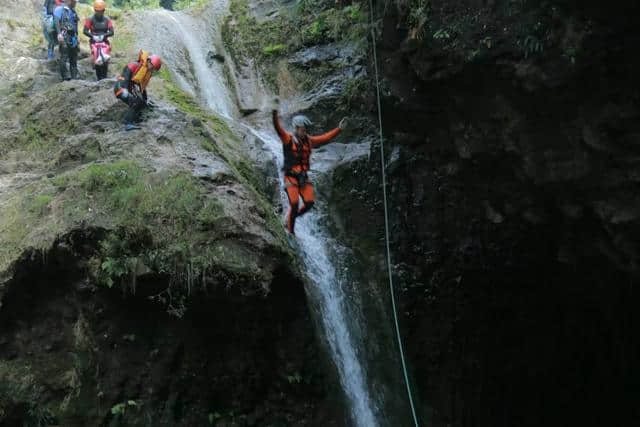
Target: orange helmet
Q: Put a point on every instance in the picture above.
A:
(99, 5)
(156, 62)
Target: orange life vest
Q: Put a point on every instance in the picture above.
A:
(297, 154)
(142, 74)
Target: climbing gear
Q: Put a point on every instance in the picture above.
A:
(69, 26)
(48, 24)
(156, 62)
(99, 5)
(296, 154)
(300, 177)
(98, 26)
(386, 220)
(301, 121)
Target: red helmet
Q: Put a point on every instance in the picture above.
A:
(156, 62)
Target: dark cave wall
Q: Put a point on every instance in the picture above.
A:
(70, 351)
(515, 210)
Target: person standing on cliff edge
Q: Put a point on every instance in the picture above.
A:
(297, 148)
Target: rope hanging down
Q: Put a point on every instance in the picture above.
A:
(386, 220)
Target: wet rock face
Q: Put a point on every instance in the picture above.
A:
(514, 209)
(166, 343)
(71, 352)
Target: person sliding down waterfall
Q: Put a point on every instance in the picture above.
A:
(131, 87)
(297, 152)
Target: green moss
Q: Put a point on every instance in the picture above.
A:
(186, 103)
(21, 216)
(164, 74)
(274, 49)
(210, 146)
(269, 41)
(39, 139)
(336, 25)
(139, 199)
(187, 4)
(245, 36)
(353, 92)
(39, 204)
(160, 215)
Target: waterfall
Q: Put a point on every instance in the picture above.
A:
(179, 37)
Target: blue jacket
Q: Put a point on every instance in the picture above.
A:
(65, 18)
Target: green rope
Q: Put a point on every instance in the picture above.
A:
(386, 222)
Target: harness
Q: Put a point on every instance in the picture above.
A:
(99, 27)
(296, 153)
(67, 26)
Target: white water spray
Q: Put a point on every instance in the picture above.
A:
(180, 31)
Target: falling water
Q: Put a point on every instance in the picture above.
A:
(182, 32)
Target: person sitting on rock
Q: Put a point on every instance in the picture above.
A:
(48, 25)
(297, 152)
(131, 87)
(66, 22)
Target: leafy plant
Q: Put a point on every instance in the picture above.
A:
(487, 42)
(40, 203)
(121, 408)
(571, 53)
(213, 416)
(532, 45)
(442, 34)
(353, 91)
(294, 379)
(418, 11)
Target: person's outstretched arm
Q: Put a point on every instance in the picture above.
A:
(283, 134)
(325, 138)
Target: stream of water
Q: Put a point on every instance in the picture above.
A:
(181, 37)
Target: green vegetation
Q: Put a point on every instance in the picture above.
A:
(245, 36)
(42, 140)
(187, 104)
(39, 204)
(137, 4)
(168, 224)
(185, 4)
(158, 217)
(312, 22)
(334, 25)
(353, 91)
(531, 45)
(274, 49)
(121, 408)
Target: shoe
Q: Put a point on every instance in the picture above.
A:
(130, 126)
